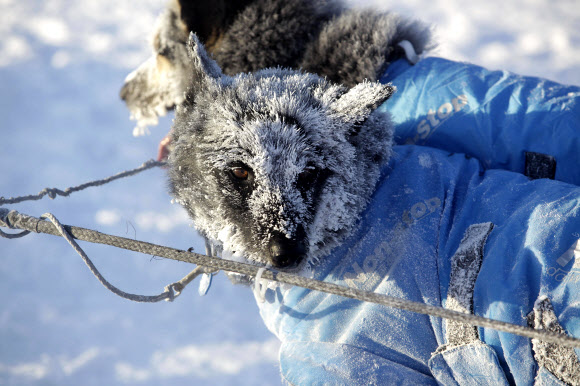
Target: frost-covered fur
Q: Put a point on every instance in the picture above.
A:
(317, 36)
(310, 151)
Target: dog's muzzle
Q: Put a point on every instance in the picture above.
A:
(126, 91)
(285, 252)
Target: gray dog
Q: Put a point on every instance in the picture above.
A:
(276, 165)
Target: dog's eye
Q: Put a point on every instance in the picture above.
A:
(240, 173)
(166, 52)
(307, 177)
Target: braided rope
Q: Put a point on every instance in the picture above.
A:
(16, 220)
(53, 192)
(171, 291)
(168, 294)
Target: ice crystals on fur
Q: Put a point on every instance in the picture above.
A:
(313, 152)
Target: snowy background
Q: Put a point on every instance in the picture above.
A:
(62, 64)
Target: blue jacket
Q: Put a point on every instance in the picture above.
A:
(495, 116)
(442, 231)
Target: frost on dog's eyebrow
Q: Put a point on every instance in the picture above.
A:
(289, 120)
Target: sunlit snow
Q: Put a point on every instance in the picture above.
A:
(62, 64)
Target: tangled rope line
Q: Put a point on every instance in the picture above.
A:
(205, 264)
(53, 192)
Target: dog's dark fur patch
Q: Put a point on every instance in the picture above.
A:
(318, 36)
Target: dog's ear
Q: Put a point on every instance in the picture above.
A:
(357, 104)
(203, 65)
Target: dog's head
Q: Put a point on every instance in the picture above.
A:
(276, 165)
(159, 84)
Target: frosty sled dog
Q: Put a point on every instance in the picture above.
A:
(524, 124)
(288, 169)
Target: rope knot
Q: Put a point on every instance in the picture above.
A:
(51, 193)
(5, 222)
(171, 294)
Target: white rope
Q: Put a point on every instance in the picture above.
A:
(260, 286)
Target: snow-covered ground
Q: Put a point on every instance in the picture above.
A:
(62, 63)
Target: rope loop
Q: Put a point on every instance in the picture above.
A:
(168, 295)
(4, 213)
(13, 235)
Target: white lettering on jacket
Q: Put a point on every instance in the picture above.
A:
(436, 118)
(374, 266)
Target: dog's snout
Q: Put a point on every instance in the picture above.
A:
(285, 252)
(125, 90)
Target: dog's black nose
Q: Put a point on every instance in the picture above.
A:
(285, 252)
(125, 90)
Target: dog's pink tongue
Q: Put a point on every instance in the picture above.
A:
(164, 148)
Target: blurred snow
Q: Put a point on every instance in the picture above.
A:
(201, 361)
(529, 37)
(107, 31)
(62, 64)
(192, 361)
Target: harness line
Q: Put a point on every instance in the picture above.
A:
(206, 264)
(53, 192)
